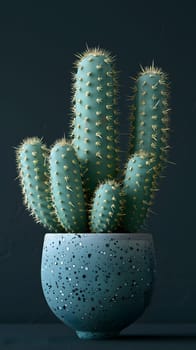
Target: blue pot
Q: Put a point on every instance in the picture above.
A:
(97, 283)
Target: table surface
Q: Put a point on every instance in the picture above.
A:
(137, 337)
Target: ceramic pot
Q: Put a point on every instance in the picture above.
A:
(97, 283)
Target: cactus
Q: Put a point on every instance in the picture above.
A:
(66, 187)
(34, 177)
(76, 187)
(95, 122)
(107, 207)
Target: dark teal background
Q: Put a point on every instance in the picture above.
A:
(38, 41)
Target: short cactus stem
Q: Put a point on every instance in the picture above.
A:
(32, 161)
(95, 123)
(140, 186)
(107, 207)
(66, 187)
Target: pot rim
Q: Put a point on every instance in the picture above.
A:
(135, 236)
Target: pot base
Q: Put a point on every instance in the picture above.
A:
(97, 335)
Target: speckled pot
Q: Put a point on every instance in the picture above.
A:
(97, 283)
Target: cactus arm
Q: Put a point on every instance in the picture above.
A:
(149, 116)
(107, 207)
(66, 186)
(140, 185)
(95, 125)
(32, 157)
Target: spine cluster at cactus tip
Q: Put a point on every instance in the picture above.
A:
(77, 185)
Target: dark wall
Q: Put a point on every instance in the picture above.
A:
(38, 42)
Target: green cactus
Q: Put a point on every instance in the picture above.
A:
(150, 121)
(95, 122)
(140, 185)
(107, 207)
(76, 188)
(66, 187)
(32, 157)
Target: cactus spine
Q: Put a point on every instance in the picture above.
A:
(107, 207)
(95, 122)
(33, 171)
(66, 186)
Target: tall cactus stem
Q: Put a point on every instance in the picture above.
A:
(150, 114)
(95, 117)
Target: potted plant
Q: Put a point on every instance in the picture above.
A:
(97, 269)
